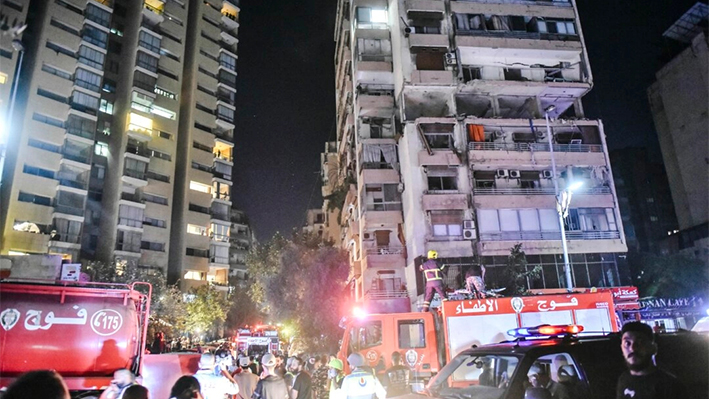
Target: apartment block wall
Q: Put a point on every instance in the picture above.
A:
(442, 141)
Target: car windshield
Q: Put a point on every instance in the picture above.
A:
(474, 376)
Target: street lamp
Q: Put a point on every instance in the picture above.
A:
(563, 199)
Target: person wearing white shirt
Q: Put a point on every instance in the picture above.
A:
(214, 384)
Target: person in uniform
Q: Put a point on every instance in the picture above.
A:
(434, 279)
(360, 384)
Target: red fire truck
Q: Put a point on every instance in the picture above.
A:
(427, 341)
(84, 331)
(258, 339)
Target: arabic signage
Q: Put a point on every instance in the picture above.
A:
(527, 304)
(625, 293)
(71, 272)
(103, 322)
(672, 303)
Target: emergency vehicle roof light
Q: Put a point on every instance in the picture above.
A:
(545, 330)
(359, 313)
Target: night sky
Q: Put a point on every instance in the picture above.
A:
(286, 99)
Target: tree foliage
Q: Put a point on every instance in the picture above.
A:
(516, 272)
(299, 282)
(206, 309)
(670, 276)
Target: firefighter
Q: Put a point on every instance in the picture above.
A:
(360, 384)
(434, 279)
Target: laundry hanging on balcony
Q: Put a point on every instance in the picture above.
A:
(476, 133)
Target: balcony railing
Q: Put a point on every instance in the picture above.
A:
(377, 165)
(68, 238)
(219, 259)
(540, 147)
(223, 157)
(69, 210)
(536, 191)
(386, 294)
(219, 216)
(128, 247)
(80, 132)
(221, 196)
(138, 150)
(75, 157)
(517, 34)
(72, 182)
(136, 174)
(549, 235)
(132, 198)
(385, 250)
(130, 222)
(384, 206)
(219, 237)
(156, 10)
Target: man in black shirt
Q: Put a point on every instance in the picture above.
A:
(271, 386)
(643, 380)
(302, 383)
(396, 379)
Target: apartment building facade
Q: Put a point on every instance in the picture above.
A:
(443, 145)
(99, 161)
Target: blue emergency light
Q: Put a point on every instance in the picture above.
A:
(545, 330)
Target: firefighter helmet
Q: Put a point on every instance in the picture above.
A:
(432, 254)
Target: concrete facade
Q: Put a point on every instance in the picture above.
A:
(123, 146)
(442, 144)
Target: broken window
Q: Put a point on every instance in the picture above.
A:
(484, 179)
(379, 156)
(371, 18)
(373, 49)
(383, 197)
(442, 179)
(473, 105)
(438, 135)
(431, 61)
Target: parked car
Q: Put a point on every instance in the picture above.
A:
(589, 366)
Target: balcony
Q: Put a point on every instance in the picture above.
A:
(444, 200)
(68, 210)
(140, 150)
(77, 156)
(72, 181)
(433, 78)
(220, 260)
(135, 178)
(65, 238)
(538, 147)
(421, 41)
(220, 216)
(129, 222)
(132, 197)
(153, 12)
(387, 301)
(537, 191)
(549, 235)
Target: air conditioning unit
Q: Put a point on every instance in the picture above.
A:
(468, 234)
(547, 174)
(468, 224)
(514, 174)
(451, 59)
(501, 173)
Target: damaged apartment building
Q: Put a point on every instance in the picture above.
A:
(442, 145)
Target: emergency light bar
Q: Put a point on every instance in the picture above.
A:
(545, 330)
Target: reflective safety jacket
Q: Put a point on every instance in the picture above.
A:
(360, 385)
(431, 271)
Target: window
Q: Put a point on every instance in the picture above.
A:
(196, 229)
(87, 80)
(3, 77)
(130, 216)
(147, 61)
(370, 18)
(442, 178)
(198, 208)
(44, 145)
(141, 102)
(219, 232)
(106, 107)
(152, 246)
(156, 199)
(219, 254)
(84, 102)
(164, 135)
(227, 78)
(65, 27)
(411, 334)
(169, 55)
(199, 166)
(151, 174)
(149, 42)
(91, 57)
(128, 241)
(79, 126)
(34, 199)
(101, 149)
(161, 155)
(154, 222)
(193, 275)
(144, 81)
(558, 26)
(201, 146)
(95, 36)
(225, 113)
(383, 197)
(204, 188)
(109, 86)
(160, 91)
(438, 135)
(227, 61)
(57, 48)
(97, 14)
(33, 170)
(370, 334)
(447, 223)
(165, 113)
(52, 96)
(48, 120)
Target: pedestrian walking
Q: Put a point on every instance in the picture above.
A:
(434, 279)
(360, 383)
(271, 386)
(643, 380)
(214, 384)
(246, 380)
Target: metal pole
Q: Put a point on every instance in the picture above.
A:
(565, 249)
(11, 110)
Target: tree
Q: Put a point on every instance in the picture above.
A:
(517, 272)
(206, 308)
(299, 282)
(243, 309)
(670, 276)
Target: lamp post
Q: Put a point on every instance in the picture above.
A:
(18, 46)
(563, 199)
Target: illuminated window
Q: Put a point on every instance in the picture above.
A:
(101, 149)
(140, 123)
(204, 188)
(193, 275)
(195, 229)
(165, 113)
(3, 78)
(106, 107)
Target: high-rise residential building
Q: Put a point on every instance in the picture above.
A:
(122, 145)
(678, 101)
(242, 239)
(645, 200)
(442, 144)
